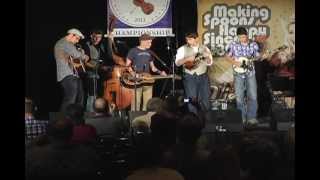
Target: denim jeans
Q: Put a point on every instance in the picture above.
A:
(197, 86)
(246, 83)
(72, 90)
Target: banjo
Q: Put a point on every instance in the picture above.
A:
(247, 64)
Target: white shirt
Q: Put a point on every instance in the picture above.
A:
(202, 68)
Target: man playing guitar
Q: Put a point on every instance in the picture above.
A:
(140, 60)
(65, 52)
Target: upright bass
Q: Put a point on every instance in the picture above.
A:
(114, 92)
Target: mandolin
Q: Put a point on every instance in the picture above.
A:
(194, 64)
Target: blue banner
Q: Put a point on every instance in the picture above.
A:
(131, 18)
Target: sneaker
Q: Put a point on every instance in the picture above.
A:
(252, 122)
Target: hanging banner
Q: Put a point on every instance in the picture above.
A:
(131, 18)
(218, 20)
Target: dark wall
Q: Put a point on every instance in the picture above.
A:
(47, 21)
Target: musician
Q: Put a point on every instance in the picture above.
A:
(140, 60)
(65, 52)
(262, 69)
(196, 80)
(100, 60)
(244, 81)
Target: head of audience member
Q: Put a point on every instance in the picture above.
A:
(74, 35)
(225, 163)
(171, 104)
(61, 129)
(260, 156)
(163, 129)
(100, 106)
(148, 153)
(96, 36)
(155, 104)
(28, 107)
(75, 113)
(189, 128)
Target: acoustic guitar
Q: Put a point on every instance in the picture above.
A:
(80, 67)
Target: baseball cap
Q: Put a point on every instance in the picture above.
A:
(145, 36)
(76, 32)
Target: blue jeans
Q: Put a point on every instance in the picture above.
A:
(247, 104)
(197, 86)
(73, 92)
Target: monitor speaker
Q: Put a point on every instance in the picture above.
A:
(230, 120)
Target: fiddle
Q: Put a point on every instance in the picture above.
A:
(147, 8)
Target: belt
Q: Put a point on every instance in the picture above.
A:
(195, 74)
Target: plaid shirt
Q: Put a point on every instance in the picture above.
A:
(236, 49)
(34, 128)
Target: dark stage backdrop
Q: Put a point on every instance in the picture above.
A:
(48, 21)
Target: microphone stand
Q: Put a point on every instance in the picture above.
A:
(159, 59)
(95, 79)
(135, 88)
(173, 64)
(164, 64)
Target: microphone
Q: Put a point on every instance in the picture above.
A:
(168, 42)
(120, 42)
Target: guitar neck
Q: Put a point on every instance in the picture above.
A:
(164, 77)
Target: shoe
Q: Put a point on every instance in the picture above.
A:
(252, 122)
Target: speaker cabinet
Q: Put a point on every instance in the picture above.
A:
(281, 118)
(230, 120)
